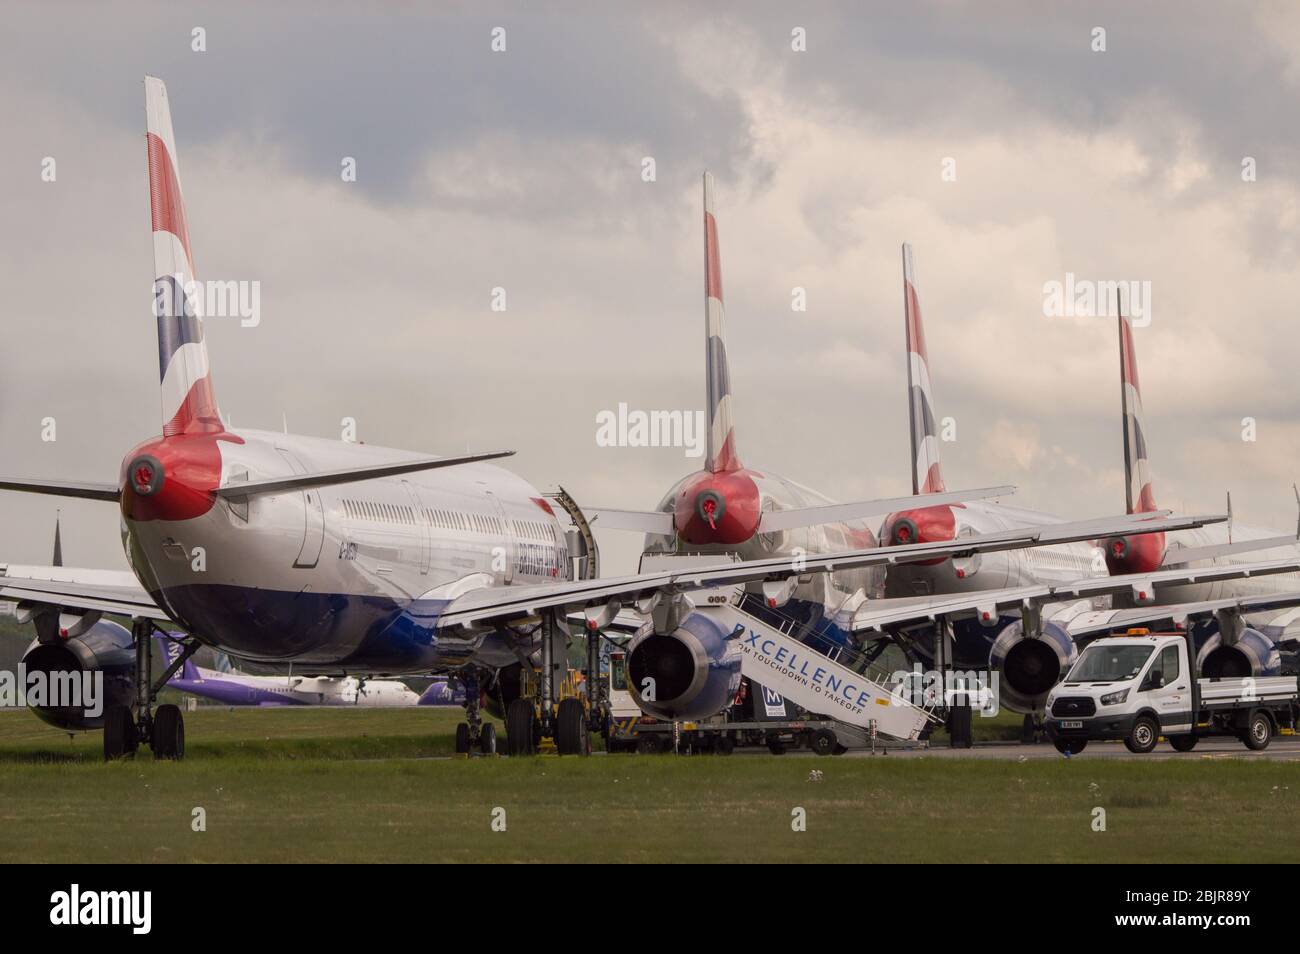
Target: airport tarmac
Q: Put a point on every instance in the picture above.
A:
(1280, 750)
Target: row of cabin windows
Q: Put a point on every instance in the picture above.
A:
(446, 519)
(378, 512)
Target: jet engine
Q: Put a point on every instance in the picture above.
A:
(690, 673)
(1029, 666)
(1253, 654)
(104, 647)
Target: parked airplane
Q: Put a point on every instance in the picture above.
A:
(233, 688)
(359, 560)
(1250, 646)
(728, 509)
(1029, 667)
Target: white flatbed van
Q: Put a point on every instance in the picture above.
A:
(1143, 685)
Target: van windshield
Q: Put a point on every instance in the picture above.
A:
(1110, 663)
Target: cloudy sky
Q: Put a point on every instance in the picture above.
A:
(522, 169)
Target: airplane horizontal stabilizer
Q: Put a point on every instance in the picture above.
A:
(639, 521)
(349, 475)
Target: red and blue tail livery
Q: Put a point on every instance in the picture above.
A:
(188, 402)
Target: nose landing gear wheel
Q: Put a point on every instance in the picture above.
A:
(520, 728)
(1183, 743)
(462, 738)
(168, 738)
(487, 740)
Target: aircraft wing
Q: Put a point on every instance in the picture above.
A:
(774, 520)
(1179, 613)
(105, 591)
(657, 521)
(987, 605)
(514, 602)
(1179, 556)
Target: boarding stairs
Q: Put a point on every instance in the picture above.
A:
(844, 685)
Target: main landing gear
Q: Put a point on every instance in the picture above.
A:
(554, 707)
(162, 729)
(473, 733)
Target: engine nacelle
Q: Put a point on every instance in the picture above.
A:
(1253, 654)
(106, 648)
(1029, 666)
(694, 671)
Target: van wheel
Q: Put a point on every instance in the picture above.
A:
(1259, 731)
(1070, 746)
(1183, 743)
(1144, 735)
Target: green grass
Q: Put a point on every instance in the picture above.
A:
(327, 785)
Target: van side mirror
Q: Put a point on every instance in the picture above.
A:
(1155, 680)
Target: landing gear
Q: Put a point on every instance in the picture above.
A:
(472, 733)
(1031, 730)
(571, 735)
(168, 737)
(119, 733)
(164, 730)
(520, 727)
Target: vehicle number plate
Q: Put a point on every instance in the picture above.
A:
(1072, 725)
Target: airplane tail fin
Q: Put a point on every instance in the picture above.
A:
(721, 448)
(927, 477)
(188, 401)
(1146, 552)
(170, 650)
(1137, 469)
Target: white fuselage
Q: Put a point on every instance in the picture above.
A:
(350, 577)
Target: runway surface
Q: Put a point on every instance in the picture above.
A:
(1283, 749)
